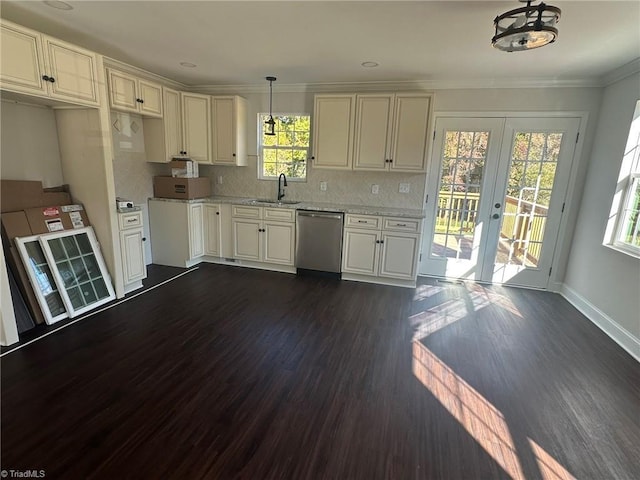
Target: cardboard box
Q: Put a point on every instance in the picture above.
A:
(184, 169)
(182, 188)
(57, 218)
(15, 224)
(16, 195)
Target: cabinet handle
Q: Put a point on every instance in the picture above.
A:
(52, 80)
(362, 221)
(45, 78)
(139, 100)
(401, 224)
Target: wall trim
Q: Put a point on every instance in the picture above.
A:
(621, 73)
(601, 320)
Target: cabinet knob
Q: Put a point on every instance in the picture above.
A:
(52, 80)
(139, 100)
(495, 216)
(45, 78)
(234, 154)
(391, 160)
(217, 213)
(144, 239)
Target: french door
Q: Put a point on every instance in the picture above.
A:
(497, 187)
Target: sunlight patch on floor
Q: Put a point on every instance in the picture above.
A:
(480, 418)
(445, 313)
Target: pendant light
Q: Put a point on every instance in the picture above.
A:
(270, 125)
(525, 28)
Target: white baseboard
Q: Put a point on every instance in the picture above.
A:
(617, 333)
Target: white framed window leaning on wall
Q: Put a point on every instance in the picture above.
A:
(288, 150)
(623, 228)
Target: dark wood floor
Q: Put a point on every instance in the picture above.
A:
(237, 373)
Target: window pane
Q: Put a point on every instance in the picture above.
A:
(287, 151)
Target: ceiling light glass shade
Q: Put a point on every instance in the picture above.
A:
(526, 28)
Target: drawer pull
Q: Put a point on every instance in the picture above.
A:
(401, 224)
(362, 221)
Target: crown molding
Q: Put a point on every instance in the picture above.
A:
(139, 72)
(422, 85)
(621, 73)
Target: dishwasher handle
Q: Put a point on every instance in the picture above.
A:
(337, 216)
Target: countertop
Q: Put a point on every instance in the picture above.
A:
(325, 207)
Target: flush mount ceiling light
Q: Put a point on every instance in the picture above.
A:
(188, 64)
(370, 64)
(525, 28)
(58, 5)
(270, 125)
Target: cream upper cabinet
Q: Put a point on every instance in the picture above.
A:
(196, 126)
(373, 129)
(182, 131)
(21, 59)
(45, 66)
(333, 119)
(229, 118)
(391, 132)
(131, 94)
(410, 132)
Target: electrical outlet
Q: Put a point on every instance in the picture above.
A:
(323, 186)
(219, 179)
(375, 189)
(405, 187)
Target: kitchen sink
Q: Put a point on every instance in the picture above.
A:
(274, 202)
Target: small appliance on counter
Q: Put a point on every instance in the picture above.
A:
(122, 203)
(183, 167)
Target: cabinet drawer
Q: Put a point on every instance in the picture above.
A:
(401, 224)
(362, 221)
(245, 211)
(130, 220)
(279, 214)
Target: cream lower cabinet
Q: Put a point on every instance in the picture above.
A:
(381, 247)
(177, 232)
(212, 230)
(37, 64)
(132, 241)
(262, 234)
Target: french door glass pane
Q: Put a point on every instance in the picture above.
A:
(532, 171)
(463, 164)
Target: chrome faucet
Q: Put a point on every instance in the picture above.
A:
(281, 187)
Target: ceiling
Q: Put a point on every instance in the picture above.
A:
(313, 42)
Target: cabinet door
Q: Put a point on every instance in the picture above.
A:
(212, 231)
(279, 243)
(133, 263)
(196, 126)
(410, 133)
(196, 233)
(172, 123)
(372, 132)
(21, 66)
(224, 131)
(151, 96)
(333, 119)
(122, 92)
(74, 71)
(247, 239)
(399, 255)
(360, 252)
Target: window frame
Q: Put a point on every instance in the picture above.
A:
(628, 180)
(261, 146)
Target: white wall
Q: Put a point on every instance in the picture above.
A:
(605, 282)
(29, 148)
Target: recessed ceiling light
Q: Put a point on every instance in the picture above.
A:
(188, 64)
(369, 64)
(57, 4)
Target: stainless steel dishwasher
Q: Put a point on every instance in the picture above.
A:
(319, 240)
